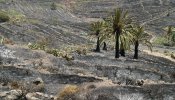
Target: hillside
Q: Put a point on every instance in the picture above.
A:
(48, 54)
(33, 20)
(152, 13)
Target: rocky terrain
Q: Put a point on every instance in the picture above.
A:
(27, 74)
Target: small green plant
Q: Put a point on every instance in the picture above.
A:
(81, 51)
(4, 17)
(58, 53)
(1, 39)
(16, 16)
(161, 41)
(53, 6)
(39, 45)
(68, 57)
(5, 41)
(168, 39)
(54, 52)
(36, 46)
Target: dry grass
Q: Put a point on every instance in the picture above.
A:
(15, 85)
(7, 41)
(68, 92)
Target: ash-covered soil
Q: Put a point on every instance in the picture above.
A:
(148, 78)
(68, 24)
(155, 14)
(98, 75)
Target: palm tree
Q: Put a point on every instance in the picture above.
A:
(140, 37)
(169, 36)
(125, 41)
(169, 32)
(98, 27)
(120, 21)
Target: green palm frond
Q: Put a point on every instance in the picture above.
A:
(97, 26)
(100, 27)
(141, 36)
(121, 21)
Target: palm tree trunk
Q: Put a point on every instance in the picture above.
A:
(122, 50)
(136, 50)
(98, 45)
(104, 46)
(117, 45)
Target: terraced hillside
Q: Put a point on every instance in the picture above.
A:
(33, 20)
(27, 74)
(98, 76)
(152, 13)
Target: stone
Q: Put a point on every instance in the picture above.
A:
(3, 94)
(30, 96)
(13, 95)
(16, 92)
(39, 96)
(38, 81)
(140, 82)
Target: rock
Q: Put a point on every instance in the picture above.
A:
(16, 92)
(37, 85)
(14, 95)
(140, 82)
(30, 96)
(39, 96)
(3, 94)
(38, 81)
(11, 97)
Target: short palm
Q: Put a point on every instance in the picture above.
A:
(140, 37)
(98, 29)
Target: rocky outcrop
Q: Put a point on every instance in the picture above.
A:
(11, 95)
(18, 95)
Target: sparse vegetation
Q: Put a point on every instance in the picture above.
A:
(1, 39)
(168, 39)
(5, 40)
(53, 6)
(4, 17)
(40, 45)
(67, 58)
(16, 16)
(160, 41)
(68, 93)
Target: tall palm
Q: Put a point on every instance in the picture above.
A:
(140, 37)
(120, 21)
(98, 27)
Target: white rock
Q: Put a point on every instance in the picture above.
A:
(11, 97)
(3, 94)
(16, 92)
(30, 96)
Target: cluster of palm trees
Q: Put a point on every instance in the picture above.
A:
(121, 27)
